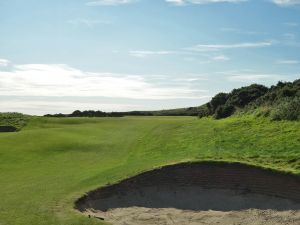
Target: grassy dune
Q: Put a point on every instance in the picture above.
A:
(53, 161)
(16, 120)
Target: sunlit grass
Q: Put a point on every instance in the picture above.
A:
(53, 161)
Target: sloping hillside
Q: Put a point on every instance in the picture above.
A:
(281, 101)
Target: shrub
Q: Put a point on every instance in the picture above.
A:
(263, 111)
(224, 111)
(218, 100)
(288, 109)
(16, 120)
(203, 111)
(243, 96)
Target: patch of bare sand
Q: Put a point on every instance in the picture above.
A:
(171, 216)
(194, 206)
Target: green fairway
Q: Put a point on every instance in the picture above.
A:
(51, 162)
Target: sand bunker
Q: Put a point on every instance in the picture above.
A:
(198, 193)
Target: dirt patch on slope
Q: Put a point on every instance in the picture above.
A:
(198, 193)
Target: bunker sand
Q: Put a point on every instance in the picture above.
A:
(198, 193)
(146, 216)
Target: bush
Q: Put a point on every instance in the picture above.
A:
(245, 95)
(263, 111)
(224, 111)
(219, 99)
(287, 110)
(203, 111)
(16, 120)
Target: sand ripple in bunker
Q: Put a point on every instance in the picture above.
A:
(146, 216)
(203, 193)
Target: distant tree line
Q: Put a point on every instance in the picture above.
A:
(98, 113)
(87, 113)
(192, 111)
(281, 101)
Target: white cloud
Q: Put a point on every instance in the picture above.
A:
(4, 62)
(184, 2)
(63, 80)
(220, 58)
(109, 2)
(143, 54)
(87, 22)
(218, 47)
(286, 2)
(174, 2)
(288, 61)
(40, 107)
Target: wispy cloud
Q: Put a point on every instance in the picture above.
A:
(288, 61)
(286, 2)
(218, 47)
(109, 2)
(33, 106)
(251, 76)
(87, 22)
(188, 55)
(289, 36)
(290, 39)
(63, 80)
(143, 54)
(184, 2)
(291, 24)
(4, 62)
(242, 31)
(220, 58)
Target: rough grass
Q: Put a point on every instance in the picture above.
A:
(53, 161)
(16, 120)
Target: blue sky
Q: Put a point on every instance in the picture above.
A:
(119, 55)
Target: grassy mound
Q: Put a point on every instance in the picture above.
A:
(280, 102)
(17, 120)
(53, 161)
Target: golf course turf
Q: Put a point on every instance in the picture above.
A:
(52, 162)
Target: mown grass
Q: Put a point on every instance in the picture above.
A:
(53, 161)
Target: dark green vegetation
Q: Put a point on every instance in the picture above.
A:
(51, 162)
(16, 120)
(88, 113)
(279, 102)
(92, 113)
